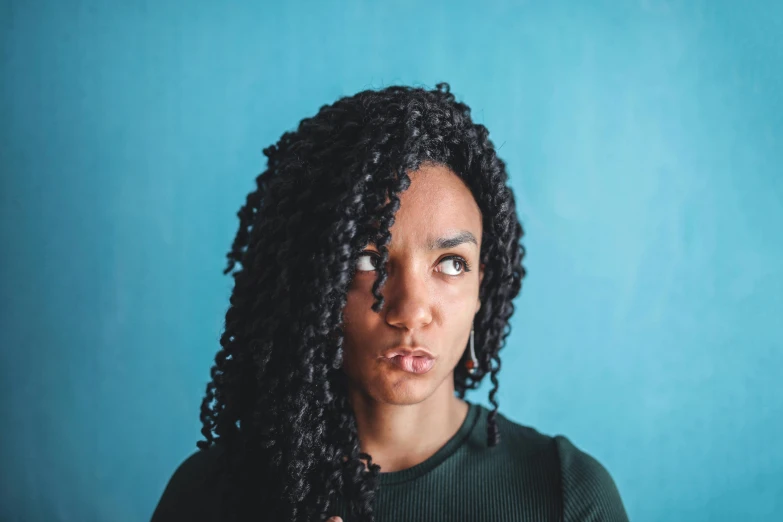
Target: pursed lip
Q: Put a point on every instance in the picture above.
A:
(416, 351)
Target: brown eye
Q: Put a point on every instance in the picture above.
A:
(367, 262)
(455, 264)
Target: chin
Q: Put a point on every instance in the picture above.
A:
(386, 384)
(402, 391)
(404, 399)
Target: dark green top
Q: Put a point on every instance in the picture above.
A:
(527, 477)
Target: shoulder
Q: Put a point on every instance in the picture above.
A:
(191, 493)
(517, 441)
(584, 489)
(524, 457)
(589, 492)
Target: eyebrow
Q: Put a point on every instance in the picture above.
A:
(443, 243)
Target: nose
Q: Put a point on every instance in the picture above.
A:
(408, 303)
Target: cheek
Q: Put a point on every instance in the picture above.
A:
(358, 314)
(355, 300)
(458, 313)
(359, 323)
(458, 302)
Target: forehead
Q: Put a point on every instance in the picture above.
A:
(436, 204)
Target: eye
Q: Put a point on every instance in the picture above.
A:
(367, 262)
(456, 264)
(452, 265)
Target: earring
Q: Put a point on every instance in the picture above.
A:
(472, 363)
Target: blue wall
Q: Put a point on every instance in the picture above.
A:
(644, 140)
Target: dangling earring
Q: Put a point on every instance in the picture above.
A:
(472, 363)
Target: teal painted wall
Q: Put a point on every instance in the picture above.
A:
(644, 141)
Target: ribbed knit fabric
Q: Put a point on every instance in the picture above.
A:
(527, 477)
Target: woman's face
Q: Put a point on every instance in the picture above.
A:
(430, 296)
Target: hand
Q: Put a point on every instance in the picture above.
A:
(334, 519)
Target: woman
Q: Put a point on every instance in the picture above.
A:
(378, 259)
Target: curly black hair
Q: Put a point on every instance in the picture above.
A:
(277, 406)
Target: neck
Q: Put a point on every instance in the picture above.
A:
(400, 436)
